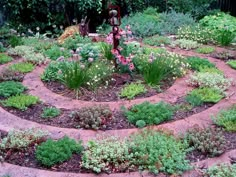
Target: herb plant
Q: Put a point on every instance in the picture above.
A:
(221, 170)
(5, 58)
(197, 63)
(232, 64)
(50, 112)
(157, 41)
(22, 67)
(10, 88)
(205, 50)
(132, 90)
(185, 44)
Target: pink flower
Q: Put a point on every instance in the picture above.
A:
(124, 62)
(131, 66)
(128, 59)
(62, 49)
(90, 60)
(117, 36)
(114, 51)
(120, 48)
(129, 32)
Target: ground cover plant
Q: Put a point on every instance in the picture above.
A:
(197, 63)
(185, 44)
(221, 170)
(132, 90)
(23, 67)
(157, 41)
(50, 112)
(5, 58)
(205, 50)
(10, 88)
(232, 64)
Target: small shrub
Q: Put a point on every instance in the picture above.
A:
(106, 51)
(205, 50)
(10, 88)
(18, 139)
(53, 71)
(140, 123)
(151, 114)
(94, 117)
(89, 50)
(210, 80)
(5, 58)
(200, 95)
(9, 75)
(185, 44)
(157, 41)
(55, 52)
(22, 67)
(132, 90)
(225, 37)
(15, 41)
(158, 152)
(20, 50)
(208, 141)
(52, 152)
(221, 170)
(50, 112)
(210, 70)
(232, 64)
(2, 48)
(72, 42)
(223, 55)
(197, 63)
(21, 101)
(227, 118)
(107, 154)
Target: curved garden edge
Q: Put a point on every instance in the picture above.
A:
(18, 171)
(36, 87)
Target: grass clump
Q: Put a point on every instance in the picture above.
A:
(53, 152)
(132, 90)
(5, 58)
(50, 112)
(205, 50)
(21, 101)
(151, 114)
(22, 67)
(197, 63)
(10, 88)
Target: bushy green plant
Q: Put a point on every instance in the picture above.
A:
(23, 67)
(210, 70)
(15, 41)
(157, 41)
(107, 154)
(10, 88)
(210, 80)
(95, 117)
(106, 51)
(197, 63)
(89, 51)
(227, 118)
(21, 101)
(18, 139)
(208, 141)
(2, 48)
(151, 114)
(225, 37)
(20, 50)
(232, 64)
(52, 152)
(5, 58)
(55, 52)
(185, 44)
(158, 152)
(53, 71)
(221, 170)
(194, 99)
(72, 42)
(205, 50)
(131, 90)
(50, 112)
(209, 95)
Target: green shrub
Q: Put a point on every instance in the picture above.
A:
(227, 118)
(52, 152)
(72, 42)
(2, 48)
(15, 41)
(87, 51)
(5, 58)
(210, 70)
(211, 80)
(18, 139)
(107, 154)
(50, 112)
(55, 52)
(185, 44)
(205, 50)
(95, 117)
(132, 90)
(158, 152)
(208, 141)
(221, 170)
(10, 88)
(232, 64)
(140, 123)
(197, 63)
(53, 71)
(22, 67)
(208, 95)
(20, 50)
(157, 41)
(21, 101)
(151, 114)
(106, 51)
(225, 37)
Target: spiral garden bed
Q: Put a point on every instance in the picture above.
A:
(178, 117)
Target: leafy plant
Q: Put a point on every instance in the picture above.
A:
(223, 55)
(197, 63)
(205, 50)
(157, 41)
(50, 112)
(227, 118)
(132, 90)
(95, 117)
(106, 51)
(51, 152)
(221, 170)
(185, 44)
(9, 75)
(2, 48)
(53, 71)
(15, 41)
(107, 154)
(5, 58)
(72, 42)
(158, 152)
(21, 101)
(89, 51)
(232, 64)
(10, 88)
(22, 67)
(208, 141)
(151, 114)
(200, 95)
(225, 37)
(18, 139)
(55, 52)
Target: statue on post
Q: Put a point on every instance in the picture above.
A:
(84, 27)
